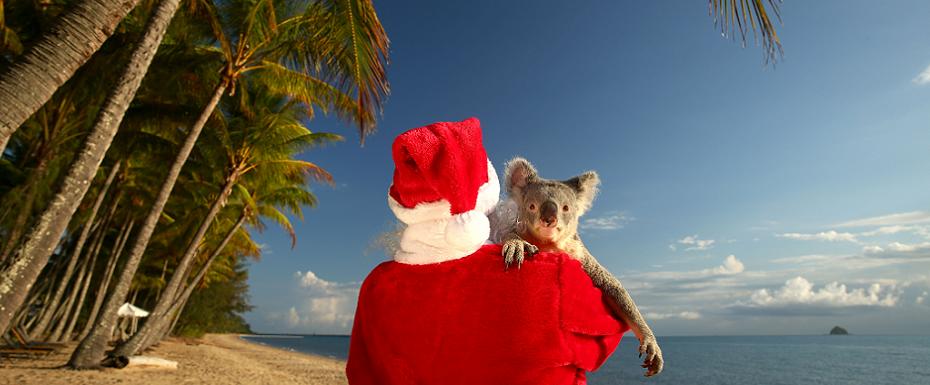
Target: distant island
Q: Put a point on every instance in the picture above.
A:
(838, 331)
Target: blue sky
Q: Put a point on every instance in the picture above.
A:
(736, 198)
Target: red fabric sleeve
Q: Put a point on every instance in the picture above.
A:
(585, 314)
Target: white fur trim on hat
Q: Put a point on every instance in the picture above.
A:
(434, 235)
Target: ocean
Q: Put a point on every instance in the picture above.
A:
(787, 360)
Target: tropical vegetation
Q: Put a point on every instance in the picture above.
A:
(229, 92)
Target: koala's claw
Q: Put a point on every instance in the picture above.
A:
(515, 250)
(654, 361)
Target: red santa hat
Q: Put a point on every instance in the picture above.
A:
(444, 188)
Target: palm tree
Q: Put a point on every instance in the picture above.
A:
(44, 235)
(267, 201)
(262, 137)
(294, 49)
(261, 195)
(42, 144)
(50, 61)
(82, 238)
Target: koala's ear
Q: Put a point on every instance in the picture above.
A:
(585, 186)
(517, 174)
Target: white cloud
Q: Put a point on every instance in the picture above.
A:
(694, 243)
(293, 319)
(685, 315)
(907, 248)
(310, 280)
(872, 257)
(920, 299)
(922, 78)
(831, 236)
(804, 259)
(799, 291)
(908, 218)
(323, 306)
(730, 265)
(872, 249)
(611, 221)
(922, 231)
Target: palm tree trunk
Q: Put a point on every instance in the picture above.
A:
(58, 311)
(25, 212)
(66, 336)
(19, 277)
(85, 233)
(168, 297)
(90, 352)
(185, 296)
(74, 300)
(161, 278)
(32, 79)
(51, 308)
(177, 306)
(41, 296)
(68, 306)
(115, 253)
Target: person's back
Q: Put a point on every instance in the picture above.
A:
(444, 311)
(466, 321)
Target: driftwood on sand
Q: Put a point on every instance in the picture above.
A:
(144, 362)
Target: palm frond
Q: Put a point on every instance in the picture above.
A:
(309, 90)
(278, 217)
(308, 168)
(212, 15)
(361, 55)
(744, 16)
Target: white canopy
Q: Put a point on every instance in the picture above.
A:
(128, 310)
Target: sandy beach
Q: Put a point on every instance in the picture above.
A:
(214, 359)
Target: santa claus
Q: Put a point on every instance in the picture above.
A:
(445, 311)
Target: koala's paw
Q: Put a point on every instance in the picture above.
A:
(653, 361)
(514, 250)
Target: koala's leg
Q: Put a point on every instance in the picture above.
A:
(514, 248)
(622, 304)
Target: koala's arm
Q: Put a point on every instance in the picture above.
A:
(622, 304)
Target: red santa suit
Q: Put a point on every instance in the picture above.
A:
(444, 311)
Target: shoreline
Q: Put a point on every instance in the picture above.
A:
(213, 359)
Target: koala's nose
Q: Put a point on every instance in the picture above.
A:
(548, 213)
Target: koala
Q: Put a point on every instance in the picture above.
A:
(542, 215)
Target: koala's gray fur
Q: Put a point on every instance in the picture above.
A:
(542, 215)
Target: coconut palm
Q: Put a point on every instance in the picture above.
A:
(43, 237)
(317, 53)
(269, 198)
(262, 135)
(76, 252)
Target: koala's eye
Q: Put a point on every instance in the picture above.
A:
(532, 206)
(565, 208)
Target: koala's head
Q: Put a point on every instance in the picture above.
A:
(548, 209)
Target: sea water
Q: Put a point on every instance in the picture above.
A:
(788, 360)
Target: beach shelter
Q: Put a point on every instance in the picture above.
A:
(133, 313)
